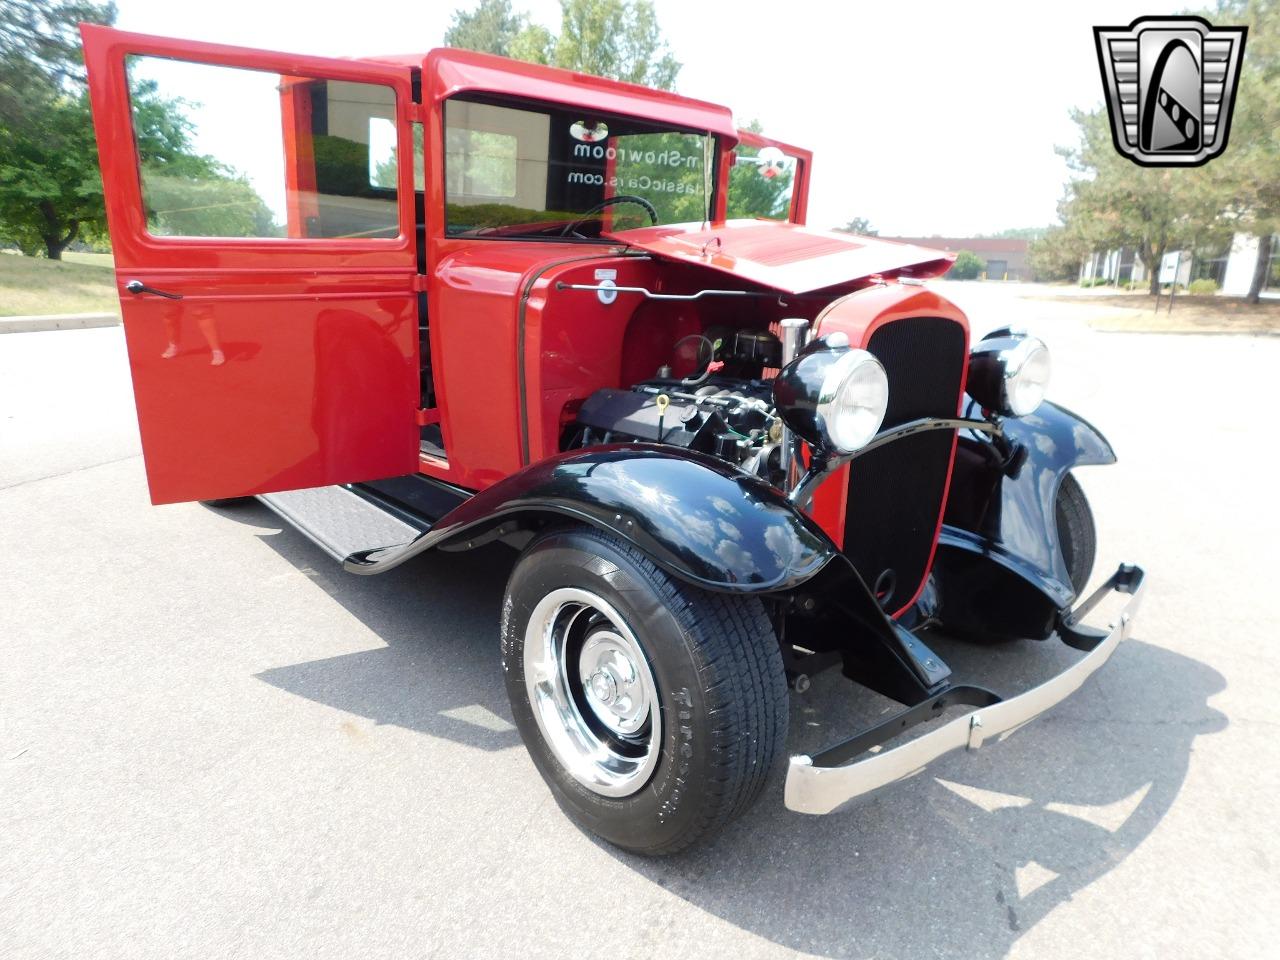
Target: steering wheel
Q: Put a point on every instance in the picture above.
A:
(572, 226)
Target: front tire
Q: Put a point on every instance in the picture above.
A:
(1077, 537)
(653, 710)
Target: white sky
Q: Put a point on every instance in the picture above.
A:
(926, 117)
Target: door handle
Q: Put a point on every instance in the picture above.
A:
(137, 286)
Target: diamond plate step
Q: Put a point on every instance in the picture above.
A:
(340, 521)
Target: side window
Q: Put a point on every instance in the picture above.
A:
(495, 164)
(481, 164)
(232, 152)
(760, 184)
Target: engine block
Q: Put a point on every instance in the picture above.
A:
(726, 417)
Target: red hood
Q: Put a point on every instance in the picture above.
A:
(785, 256)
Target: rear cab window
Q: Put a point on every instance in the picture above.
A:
(522, 171)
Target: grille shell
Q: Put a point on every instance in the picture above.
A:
(896, 492)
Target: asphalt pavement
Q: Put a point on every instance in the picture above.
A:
(214, 743)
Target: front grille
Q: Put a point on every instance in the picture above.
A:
(896, 491)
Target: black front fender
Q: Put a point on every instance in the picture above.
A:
(695, 516)
(999, 567)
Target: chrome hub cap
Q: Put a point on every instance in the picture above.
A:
(592, 692)
(614, 691)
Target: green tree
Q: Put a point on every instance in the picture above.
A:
(861, 226)
(49, 187)
(535, 44)
(491, 27)
(1017, 233)
(214, 202)
(188, 194)
(185, 193)
(751, 193)
(615, 38)
(40, 52)
(968, 266)
(51, 191)
(1057, 254)
(1113, 202)
(640, 156)
(619, 39)
(1249, 170)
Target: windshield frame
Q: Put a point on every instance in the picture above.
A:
(712, 178)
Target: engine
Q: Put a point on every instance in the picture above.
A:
(725, 409)
(720, 396)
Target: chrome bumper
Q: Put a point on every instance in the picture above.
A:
(816, 789)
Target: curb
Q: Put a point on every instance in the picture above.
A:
(1156, 331)
(58, 321)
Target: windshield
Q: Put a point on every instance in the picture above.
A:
(551, 172)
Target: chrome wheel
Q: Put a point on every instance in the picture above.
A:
(592, 692)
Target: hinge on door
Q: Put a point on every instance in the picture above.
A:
(428, 417)
(419, 283)
(417, 112)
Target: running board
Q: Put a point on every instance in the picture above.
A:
(341, 521)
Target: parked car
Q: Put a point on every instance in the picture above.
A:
(432, 302)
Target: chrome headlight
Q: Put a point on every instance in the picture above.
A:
(1009, 374)
(832, 396)
(853, 399)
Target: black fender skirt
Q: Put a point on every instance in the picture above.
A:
(999, 569)
(694, 516)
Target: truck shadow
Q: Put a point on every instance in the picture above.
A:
(959, 861)
(440, 672)
(964, 859)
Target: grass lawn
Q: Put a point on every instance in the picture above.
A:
(83, 283)
(1137, 313)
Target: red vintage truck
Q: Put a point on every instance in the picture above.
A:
(422, 303)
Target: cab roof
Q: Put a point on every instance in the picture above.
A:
(449, 70)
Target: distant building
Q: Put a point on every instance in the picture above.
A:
(1121, 265)
(1230, 267)
(1240, 262)
(1006, 259)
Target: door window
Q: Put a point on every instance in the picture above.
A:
(761, 182)
(232, 152)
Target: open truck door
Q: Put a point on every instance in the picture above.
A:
(266, 259)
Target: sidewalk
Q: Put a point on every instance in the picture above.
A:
(58, 321)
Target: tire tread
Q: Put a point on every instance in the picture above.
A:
(743, 681)
(1077, 536)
